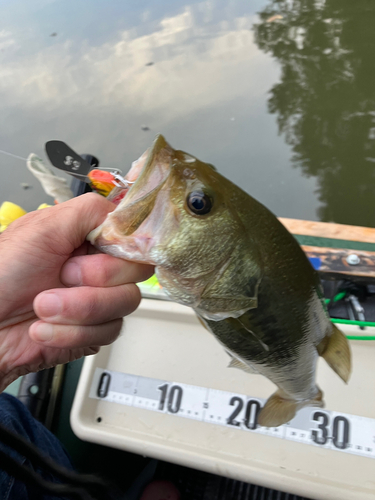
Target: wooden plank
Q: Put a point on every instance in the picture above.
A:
(329, 230)
(333, 263)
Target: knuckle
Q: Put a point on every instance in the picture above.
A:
(113, 331)
(131, 297)
(95, 202)
(88, 308)
(91, 197)
(98, 270)
(89, 351)
(65, 336)
(103, 334)
(141, 272)
(79, 336)
(104, 273)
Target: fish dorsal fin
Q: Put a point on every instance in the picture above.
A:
(336, 351)
(236, 363)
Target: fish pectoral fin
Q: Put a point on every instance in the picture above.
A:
(236, 363)
(279, 410)
(336, 351)
(226, 306)
(222, 300)
(202, 323)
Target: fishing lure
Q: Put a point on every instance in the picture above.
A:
(103, 180)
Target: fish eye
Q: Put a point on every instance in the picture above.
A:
(199, 203)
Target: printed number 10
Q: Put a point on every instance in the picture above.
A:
(173, 396)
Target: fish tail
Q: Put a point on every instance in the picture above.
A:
(336, 351)
(279, 409)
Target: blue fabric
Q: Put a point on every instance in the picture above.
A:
(17, 418)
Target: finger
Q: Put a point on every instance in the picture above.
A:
(102, 270)
(86, 305)
(74, 336)
(86, 213)
(82, 250)
(67, 224)
(64, 226)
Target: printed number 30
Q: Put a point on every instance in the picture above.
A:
(340, 430)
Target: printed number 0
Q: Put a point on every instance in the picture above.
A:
(251, 415)
(340, 441)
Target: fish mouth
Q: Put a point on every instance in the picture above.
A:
(150, 171)
(125, 232)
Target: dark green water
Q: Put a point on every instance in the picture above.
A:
(284, 107)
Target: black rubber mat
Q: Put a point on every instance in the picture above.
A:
(198, 485)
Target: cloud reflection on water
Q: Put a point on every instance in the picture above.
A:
(205, 91)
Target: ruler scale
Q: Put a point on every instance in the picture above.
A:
(313, 426)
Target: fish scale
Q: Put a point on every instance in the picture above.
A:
(220, 251)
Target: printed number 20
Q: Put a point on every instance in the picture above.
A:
(251, 412)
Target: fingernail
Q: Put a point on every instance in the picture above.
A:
(49, 305)
(71, 274)
(43, 332)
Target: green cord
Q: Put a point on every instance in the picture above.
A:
(351, 322)
(340, 296)
(153, 281)
(337, 297)
(360, 337)
(356, 323)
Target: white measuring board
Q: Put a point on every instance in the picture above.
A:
(169, 394)
(314, 426)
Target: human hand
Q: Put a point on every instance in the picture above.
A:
(59, 301)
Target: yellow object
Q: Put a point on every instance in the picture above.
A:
(8, 213)
(101, 181)
(151, 282)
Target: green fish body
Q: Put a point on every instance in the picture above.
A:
(221, 252)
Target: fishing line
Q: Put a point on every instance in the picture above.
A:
(80, 175)
(11, 154)
(25, 159)
(116, 172)
(112, 170)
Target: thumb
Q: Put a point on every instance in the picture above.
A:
(81, 215)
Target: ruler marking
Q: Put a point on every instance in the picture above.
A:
(325, 429)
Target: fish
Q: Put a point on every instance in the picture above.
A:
(219, 251)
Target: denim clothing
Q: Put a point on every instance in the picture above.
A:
(15, 416)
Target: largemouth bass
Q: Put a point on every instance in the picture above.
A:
(221, 252)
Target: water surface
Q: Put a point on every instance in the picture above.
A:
(279, 96)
